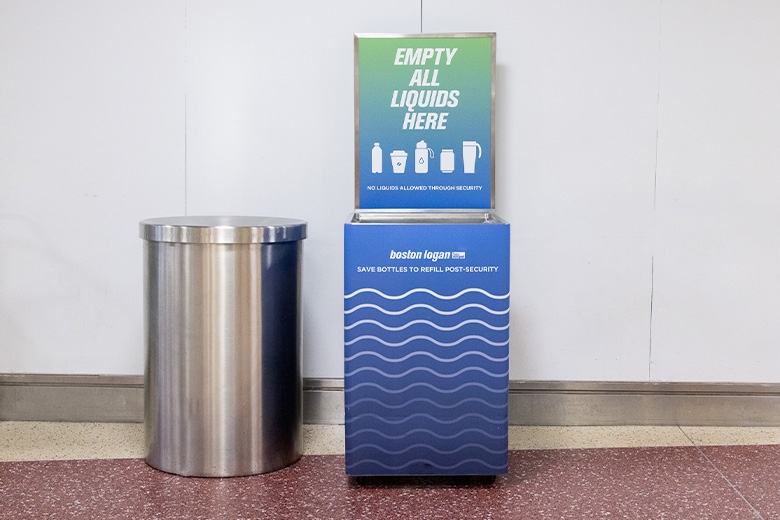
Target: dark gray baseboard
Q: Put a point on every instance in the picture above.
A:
(88, 398)
(560, 403)
(77, 398)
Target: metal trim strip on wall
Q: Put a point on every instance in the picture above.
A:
(109, 398)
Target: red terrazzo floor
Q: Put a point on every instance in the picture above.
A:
(727, 483)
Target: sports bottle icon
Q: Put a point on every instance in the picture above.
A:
(421, 154)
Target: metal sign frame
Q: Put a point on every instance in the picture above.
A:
(357, 79)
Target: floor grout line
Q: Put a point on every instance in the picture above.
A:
(724, 477)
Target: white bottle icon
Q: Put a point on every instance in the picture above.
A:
(421, 154)
(376, 159)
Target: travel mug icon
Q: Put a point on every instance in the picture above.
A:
(470, 155)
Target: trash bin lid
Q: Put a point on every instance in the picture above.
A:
(223, 229)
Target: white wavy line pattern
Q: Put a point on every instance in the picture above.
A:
(426, 338)
(429, 447)
(426, 416)
(427, 291)
(428, 385)
(427, 354)
(427, 431)
(430, 463)
(416, 400)
(426, 369)
(413, 429)
(425, 322)
(426, 306)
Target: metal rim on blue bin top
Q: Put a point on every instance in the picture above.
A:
(223, 229)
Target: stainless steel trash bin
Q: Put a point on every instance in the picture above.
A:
(222, 318)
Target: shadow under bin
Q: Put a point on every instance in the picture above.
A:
(222, 387)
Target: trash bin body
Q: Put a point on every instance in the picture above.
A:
(222, 320)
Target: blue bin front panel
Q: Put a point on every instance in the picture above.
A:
(426, 348)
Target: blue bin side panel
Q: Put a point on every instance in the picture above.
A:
(426, 348)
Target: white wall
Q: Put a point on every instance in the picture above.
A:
(717, 233)
(576, 129)
(637, 160)
(91, 142)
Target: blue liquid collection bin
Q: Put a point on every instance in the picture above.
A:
(426, 263)
(426, 348)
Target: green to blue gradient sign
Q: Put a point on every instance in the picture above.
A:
(424, 121)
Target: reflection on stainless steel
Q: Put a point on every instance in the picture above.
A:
(222, 379)
(427, 217)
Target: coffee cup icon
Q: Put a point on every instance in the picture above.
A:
(398, 159)
(470, 155)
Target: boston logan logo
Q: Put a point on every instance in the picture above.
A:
(433, 256)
